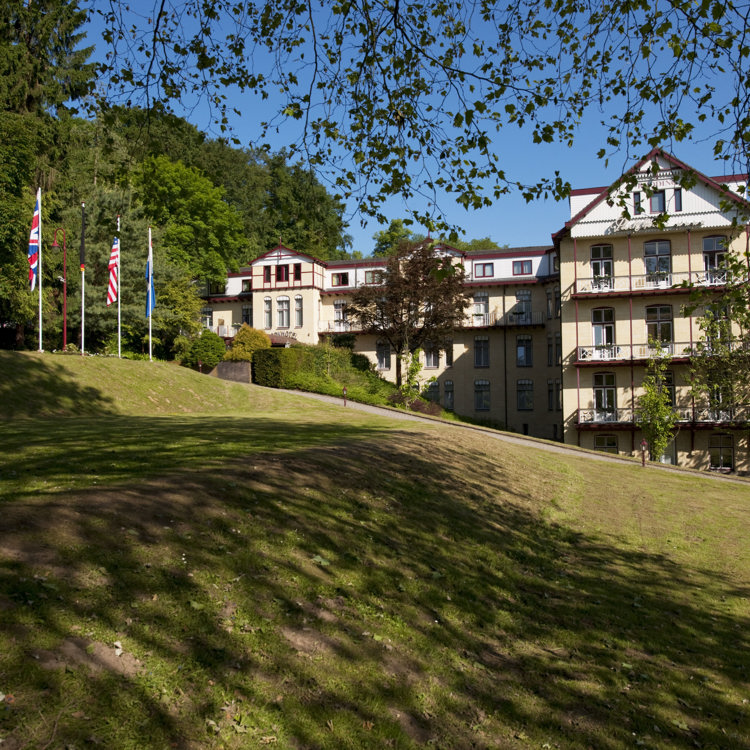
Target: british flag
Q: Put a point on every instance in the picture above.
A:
(34, 242)
(114, 272)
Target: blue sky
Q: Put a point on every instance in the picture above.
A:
(511, 220)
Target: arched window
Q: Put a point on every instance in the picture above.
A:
(282, 307)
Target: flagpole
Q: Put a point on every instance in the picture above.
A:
(39, 274)
(83, 274)
(119, 273)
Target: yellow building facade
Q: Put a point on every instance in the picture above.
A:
(625, 288)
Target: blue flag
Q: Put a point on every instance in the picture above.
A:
(150, 296)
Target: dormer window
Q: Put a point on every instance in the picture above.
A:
(340, 279)
(483, 270)
(298, 272)
(637, 205)
(677, 199)
(247, 285)
(267, 274)
(521, 267)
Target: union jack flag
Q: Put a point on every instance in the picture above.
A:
(34, 241)
(114, 272)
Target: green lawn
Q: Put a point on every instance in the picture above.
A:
(195, 564)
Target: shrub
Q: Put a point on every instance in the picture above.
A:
(246, 341)
(208, 349)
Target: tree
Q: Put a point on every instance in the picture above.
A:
(720, 362)
(415, 94)
(656, 417)
(206, 352)
(41, 67)
(421, 299)
(201, 232)
(389, 240)
(246, 341)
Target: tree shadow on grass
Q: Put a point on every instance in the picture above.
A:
(33, 386)
(357, 591)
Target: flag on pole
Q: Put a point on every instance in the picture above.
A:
(150, 296)
(34, 242)
(114, 272)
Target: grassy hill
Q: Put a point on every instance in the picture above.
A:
(195, 564)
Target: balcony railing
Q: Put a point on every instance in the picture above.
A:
(225, 331)
(685, 414)
(512, 318)
(616, 352)
(335, 326)
(650, 281)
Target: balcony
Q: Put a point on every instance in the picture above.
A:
(335, 326)
(627, 352)
(507, 319)
(685, 415)
(650, 282)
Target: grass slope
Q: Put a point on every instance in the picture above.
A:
(259, 569)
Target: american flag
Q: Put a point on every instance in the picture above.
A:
(34, 241)
(114, 271)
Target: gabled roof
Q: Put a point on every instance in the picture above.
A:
(283, 248)
(604, 193)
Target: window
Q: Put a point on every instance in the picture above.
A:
(282, 272)
(481, 395)
(601, 266)
(373, 277)
(481, 308)
(383, 354)
(448, 395)
(603, 329)
(481, 351)
(721, 452)
(658, 259)
(558, 348)
(431, 356)
(605, 443)
(207, 317)
(449, 353)
(550, 395)
(637, 205)
(267, 320)
(525, 395)
(659, 323)
(298, 272)
(282, 308)
(678, 199)
(558, 395)
(558, 302)
(247, 285)
(605, 397)
(267, 274)
(247, 314)
(298, 318)
(433, 391)
(521, 267)
(550, 306)
(714, 252)
(340, 279)
(668, 385)
(215, 288)
(523, 351)
(483, 270)
(340, 316)
(522, 309)
(550, 352)
(658, 202)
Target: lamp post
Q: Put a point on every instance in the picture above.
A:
(65, 284)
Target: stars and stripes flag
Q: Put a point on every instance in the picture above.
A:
(35, 241)
(114, 272)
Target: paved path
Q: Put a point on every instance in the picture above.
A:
(517, 439)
